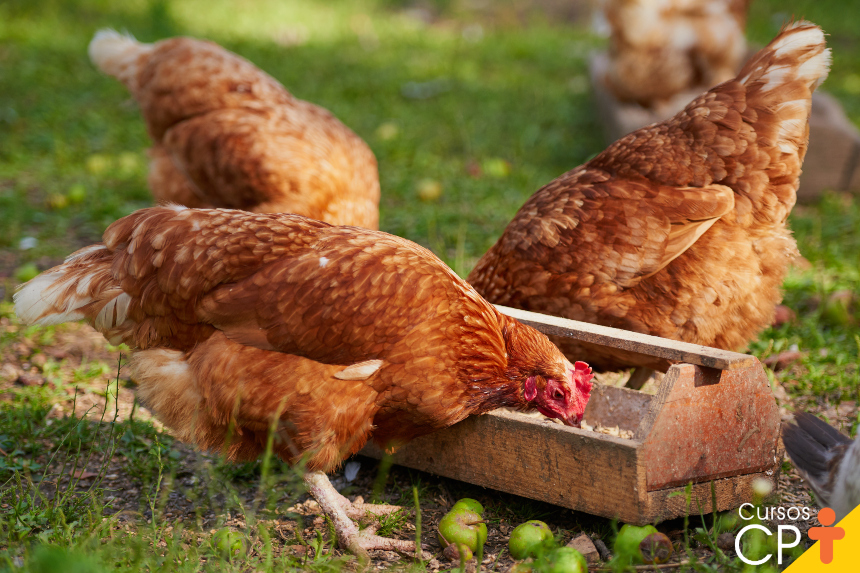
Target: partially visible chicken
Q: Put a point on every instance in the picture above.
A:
(827, 459)
(331, 335)
(227, 134)
(660, 48)
(678, 229)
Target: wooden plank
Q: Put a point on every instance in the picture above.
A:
(533, 458)
(731, 492)
(704, 425)
(633, 341)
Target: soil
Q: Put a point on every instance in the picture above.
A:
(30, 362)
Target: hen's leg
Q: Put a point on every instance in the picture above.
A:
(342, 512)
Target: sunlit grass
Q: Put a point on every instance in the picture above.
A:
(490, 108)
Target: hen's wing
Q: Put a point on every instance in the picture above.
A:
(333, 294)
(588, 227)
(290, 159)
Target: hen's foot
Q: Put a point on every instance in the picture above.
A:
(342, 512)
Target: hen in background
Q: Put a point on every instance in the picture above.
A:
(828, 460)
(678, 229)
(661, 48)
(226, 134)
(243, 322)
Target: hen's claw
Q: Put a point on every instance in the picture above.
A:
(341, 511)
(358, 509)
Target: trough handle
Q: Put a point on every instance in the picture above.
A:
(671, 350)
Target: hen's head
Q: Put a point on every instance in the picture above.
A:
(549, 382)
(563, 398)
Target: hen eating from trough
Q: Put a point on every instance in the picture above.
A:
(679, 229)
(226, 134)
(241, 322)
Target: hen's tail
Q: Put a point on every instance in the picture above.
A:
(780, 79)
(82, 287)
(118, 55)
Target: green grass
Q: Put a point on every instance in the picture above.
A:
(72, 160)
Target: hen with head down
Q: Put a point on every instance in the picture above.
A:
(243, 322)
(226, 134)
(678, 229)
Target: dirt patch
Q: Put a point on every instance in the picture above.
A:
(194, 494)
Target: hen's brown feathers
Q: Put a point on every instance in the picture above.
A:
(334, 332)
(678, 229)
(227, 134)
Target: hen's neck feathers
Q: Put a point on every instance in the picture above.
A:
(496, 373)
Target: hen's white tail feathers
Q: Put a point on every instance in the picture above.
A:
(780, 80)
(50, 299)
(798, 54)
(117, 55)
(81, 288)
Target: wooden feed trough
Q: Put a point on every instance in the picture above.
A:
(714, 421)
(832, 159)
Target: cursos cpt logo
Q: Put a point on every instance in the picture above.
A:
(826, 535)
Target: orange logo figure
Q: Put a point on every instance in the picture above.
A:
(827, 535)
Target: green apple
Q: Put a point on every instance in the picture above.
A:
(566, 560)
(77, 193)
(642, 545)
(228, 543)
(387, 131)
(429, 190)
(470, 504)
(529, 539)
(460, 525)
(98, 163)
(496, 167)
(656, 548)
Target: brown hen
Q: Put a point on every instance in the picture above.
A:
(331, 335)
(661, 48)
(227, 134)
(678, 229)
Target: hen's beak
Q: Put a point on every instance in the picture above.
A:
(575, 421)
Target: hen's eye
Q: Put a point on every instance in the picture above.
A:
(557, 395)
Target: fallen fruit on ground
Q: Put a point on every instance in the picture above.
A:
(642, 545)
(529, 538)
(460, 525)
(656, 548)
(429, 190)
(565, 560)
(458, 552)
(522, 567)
(470, 504)
(228, 543)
